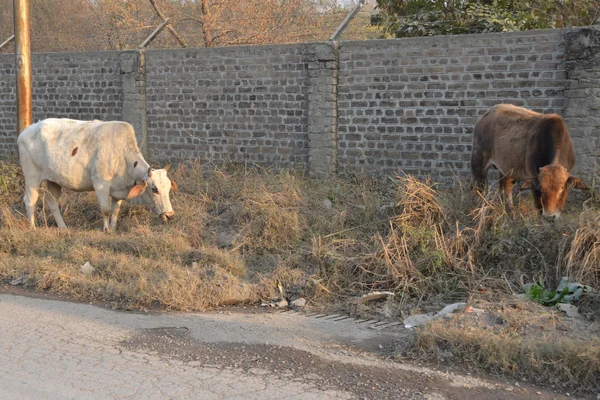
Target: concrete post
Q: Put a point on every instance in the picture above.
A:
(322, 109)
(582, 100)
(133, 75)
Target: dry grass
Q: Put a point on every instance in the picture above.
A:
(269, 217)
(582, 261)
(132, 270)
(518, 339)
(242, 233)
(426, 243)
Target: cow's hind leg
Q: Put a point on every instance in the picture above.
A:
(32, 193)
(479, 170)
(33, 182)
(54, 190)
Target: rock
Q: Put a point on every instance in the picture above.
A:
(568, 309)
(18, 281)
(375, 296)
(299, 303)
(417, 319)
(449, 309)
(87, 269)
(327, 203)
(281, 303)
(420, 319)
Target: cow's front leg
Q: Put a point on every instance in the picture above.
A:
(537, 201)
(506, 186)
(116, 206)
(103, 194)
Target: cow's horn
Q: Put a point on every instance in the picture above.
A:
(167, 166)
(149, 172)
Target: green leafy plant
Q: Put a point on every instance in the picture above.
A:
(539, 294)
(406, 18)
(565, 292)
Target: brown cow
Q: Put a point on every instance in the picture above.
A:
(526, 146)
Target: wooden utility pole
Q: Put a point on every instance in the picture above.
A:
(23, 64)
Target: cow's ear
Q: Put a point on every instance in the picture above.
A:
(174, 186)
(137, 190)
(527, 185)
(577, 183)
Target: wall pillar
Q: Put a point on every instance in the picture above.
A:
(582, 100)
(133, 76)
(322, 109)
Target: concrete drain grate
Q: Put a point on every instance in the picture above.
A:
(373, 323)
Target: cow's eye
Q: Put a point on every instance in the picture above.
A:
(154, 190)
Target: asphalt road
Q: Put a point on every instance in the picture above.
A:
(60, 350)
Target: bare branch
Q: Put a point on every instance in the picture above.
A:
(169, 27)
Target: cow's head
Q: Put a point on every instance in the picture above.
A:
(552, 187)
(154, 192)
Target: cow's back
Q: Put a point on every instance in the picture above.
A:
(513, 139)
(69, 152)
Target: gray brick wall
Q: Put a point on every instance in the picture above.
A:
(65, 85)
(410, 105)
(8, 108)
(374, 107)
(229, 104)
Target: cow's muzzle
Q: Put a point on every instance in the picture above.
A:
(167, 216)
(551, 215)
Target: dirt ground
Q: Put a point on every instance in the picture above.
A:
(342, 356)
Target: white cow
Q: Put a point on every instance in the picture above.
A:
(90, 155)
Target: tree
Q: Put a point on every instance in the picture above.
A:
(124, 24)
(403, 18)
(50, 30)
